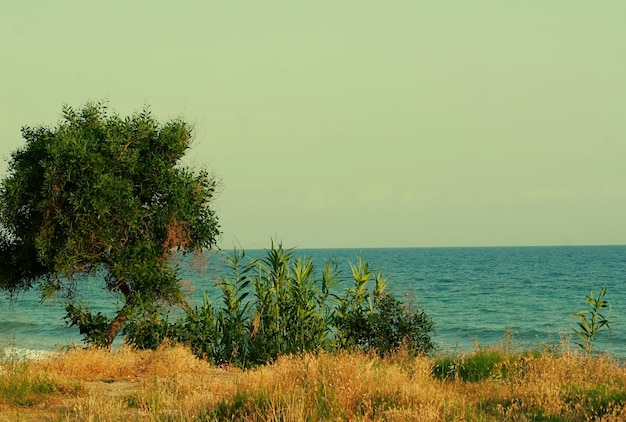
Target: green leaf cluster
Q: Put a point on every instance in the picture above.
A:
(99, 192)
(371, 319)
(591, 321)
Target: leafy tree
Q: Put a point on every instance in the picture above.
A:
(102, 194)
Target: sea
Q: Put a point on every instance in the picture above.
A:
(477, 297)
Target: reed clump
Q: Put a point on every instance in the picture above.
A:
(279, 304)
(172, 384)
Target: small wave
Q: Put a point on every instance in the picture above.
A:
(17, 353)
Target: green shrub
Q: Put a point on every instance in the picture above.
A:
(480, 365)
(387, 328)
(198, 330)
(148, 331)
(376, 321)
(276, 305)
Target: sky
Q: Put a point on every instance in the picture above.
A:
(357, 124)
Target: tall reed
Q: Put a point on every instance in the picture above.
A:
(279, 304)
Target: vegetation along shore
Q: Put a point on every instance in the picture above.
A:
(103, 199)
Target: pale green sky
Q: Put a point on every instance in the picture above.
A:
(356, 123)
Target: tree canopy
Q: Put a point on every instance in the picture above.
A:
(99, 192)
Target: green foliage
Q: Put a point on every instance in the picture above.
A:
(22, 388)
(289, 310)
(92, 326)
(276, 305)
(392, 326)
(233, 319)
(377, 321)
(386, 328)
(598, 401)
(198, 329)
(591, 321)
(148, 330)
(99, 192)
(480, 365)
(353, 306)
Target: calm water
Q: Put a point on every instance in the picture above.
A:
(472, 294)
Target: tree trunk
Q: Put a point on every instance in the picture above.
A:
(115, 327)
(120, 319)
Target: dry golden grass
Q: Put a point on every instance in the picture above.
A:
(171, 384)
(126, 383)
(347, 386)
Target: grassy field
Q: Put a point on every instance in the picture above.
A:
(170, 384)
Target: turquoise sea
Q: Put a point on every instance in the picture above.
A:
(474, 295)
